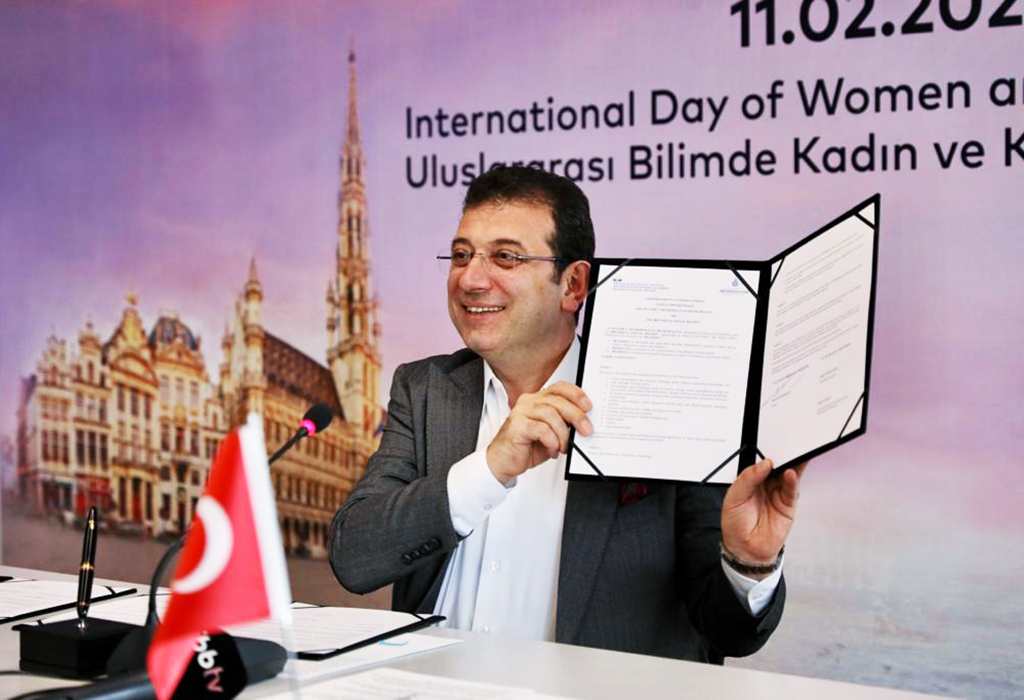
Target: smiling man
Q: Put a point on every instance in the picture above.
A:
(464, 507)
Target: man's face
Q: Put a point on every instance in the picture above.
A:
(508, 315)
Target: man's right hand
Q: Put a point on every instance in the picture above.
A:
(538, 430)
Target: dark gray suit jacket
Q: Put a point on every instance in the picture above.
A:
(641, 577)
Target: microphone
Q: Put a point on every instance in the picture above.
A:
(316, 420)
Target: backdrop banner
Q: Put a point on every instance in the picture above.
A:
(214, 208)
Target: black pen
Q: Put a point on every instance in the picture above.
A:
(87, 571)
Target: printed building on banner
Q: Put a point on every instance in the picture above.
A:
(130, 424)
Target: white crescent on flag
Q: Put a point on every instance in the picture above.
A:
(216, 553)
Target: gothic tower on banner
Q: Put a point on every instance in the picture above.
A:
(353, 332)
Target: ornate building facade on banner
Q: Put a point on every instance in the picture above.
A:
(128, 425)
(131, 424)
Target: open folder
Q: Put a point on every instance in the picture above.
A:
(698, 367)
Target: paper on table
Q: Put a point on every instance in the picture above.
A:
(28, 595)
(326, 628)
(381, 652)
(668, 357)
(816, 342)
(391, 684)
(131, 610)
(315, 628)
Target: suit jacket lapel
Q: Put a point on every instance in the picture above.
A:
(455, 400)
(589, 513)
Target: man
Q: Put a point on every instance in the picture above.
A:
(465, 508)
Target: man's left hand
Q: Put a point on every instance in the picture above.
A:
(758, 512)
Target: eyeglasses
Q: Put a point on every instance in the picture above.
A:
(501, 259)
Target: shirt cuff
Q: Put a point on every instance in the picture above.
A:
(755, 595)
(473, 492)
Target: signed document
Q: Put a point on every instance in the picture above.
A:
(698, 368)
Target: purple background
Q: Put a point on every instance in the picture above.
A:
(158, 147)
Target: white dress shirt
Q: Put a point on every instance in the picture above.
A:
(507, 565)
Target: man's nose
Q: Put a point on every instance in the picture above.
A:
(475, 275)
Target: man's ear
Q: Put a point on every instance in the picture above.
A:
(574, 281)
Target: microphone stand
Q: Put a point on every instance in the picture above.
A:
(299, 434)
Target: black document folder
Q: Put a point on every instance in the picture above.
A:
(697, 368)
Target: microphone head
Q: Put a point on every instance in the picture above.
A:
(317, 418)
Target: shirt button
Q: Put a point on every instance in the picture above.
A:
(495, 565)
(485, 629)
(487, 506)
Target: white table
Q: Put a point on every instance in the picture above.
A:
(557, 669)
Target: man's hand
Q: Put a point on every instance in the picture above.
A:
(758, 513)
(538, 430)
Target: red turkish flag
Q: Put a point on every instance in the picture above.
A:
(232, 569)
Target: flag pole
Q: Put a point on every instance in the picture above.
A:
(288, 634)
(275, 567)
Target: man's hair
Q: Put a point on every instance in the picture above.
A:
(573, 237)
